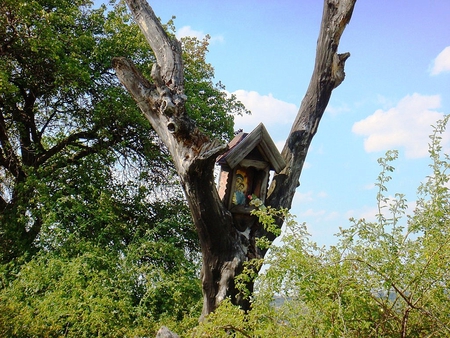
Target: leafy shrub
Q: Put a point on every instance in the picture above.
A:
(387, 278)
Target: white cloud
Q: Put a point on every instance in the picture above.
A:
(442, 62)
(336, 110)
(406, 125)
(189, 31)
(318, 217)
(304, 197)
(367, 213)
(369, 186)
(332, 216)
(309, 196)
(265, 109)
(322, 194)
(313, 213)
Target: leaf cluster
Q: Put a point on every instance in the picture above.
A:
(208, 103)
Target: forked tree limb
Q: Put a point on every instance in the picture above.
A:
(328, 74)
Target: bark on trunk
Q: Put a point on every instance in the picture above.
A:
(225, 248)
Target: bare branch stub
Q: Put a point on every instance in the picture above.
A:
(167, 50)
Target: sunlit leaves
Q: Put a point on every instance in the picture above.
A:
(96, 293)
(208, 103)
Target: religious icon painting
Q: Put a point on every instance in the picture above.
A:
(240, 188)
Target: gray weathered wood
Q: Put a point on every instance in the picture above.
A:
(328, 74)
(259, 135)
(164, 332)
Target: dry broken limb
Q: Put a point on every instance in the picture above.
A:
(225, 248)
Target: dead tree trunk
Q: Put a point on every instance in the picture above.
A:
(225, 248)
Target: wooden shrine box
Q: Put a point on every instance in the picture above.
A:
(245, 169)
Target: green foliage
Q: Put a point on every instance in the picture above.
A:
(72, 138)
(268, 216)
(387, 278)
(95, 235)
(208, 103)
(97, 293)
(56, 296)
(227, 321)
(60, 107)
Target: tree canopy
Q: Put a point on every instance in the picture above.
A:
(89, 198)
(70, 135)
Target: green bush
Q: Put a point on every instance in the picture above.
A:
(387, 278)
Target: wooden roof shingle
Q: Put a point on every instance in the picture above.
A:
(242, 144)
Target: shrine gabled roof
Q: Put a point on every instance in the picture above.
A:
(242, 144)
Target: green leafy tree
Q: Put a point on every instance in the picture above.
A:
(92, 220)
(208, 103)
(59, 106)
(71, 139)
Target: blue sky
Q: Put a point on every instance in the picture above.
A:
(397, 85)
